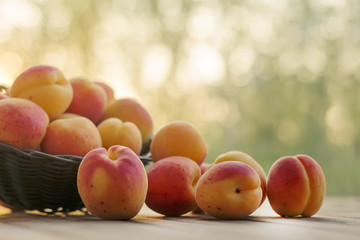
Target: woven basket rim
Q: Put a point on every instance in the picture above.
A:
(145, 158)
(34, 180)
(31, 152)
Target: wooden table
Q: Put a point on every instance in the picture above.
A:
(339, 218)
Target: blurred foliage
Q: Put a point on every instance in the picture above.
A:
(270, 78)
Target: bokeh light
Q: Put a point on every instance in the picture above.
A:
(267, 78)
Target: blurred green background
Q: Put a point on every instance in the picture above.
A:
(270, 78)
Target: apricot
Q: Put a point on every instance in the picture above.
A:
(203, 168)
(46, 86)
(74, 136)
(115, 132)
(129, 110)
(296, 186)
(245, 158)
(67, 115)
(23, 123)
(112, 183)
(89, 99)
(110, 95)
(172, 182)
(229, 190)
(179, 138)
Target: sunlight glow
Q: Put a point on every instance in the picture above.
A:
(206, 64)
(202, 23)
(10, 66)
(5, 78)
(156, 65)
(20, 13)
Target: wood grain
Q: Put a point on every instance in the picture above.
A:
(339, 218)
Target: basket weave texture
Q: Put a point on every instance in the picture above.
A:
(34, 180)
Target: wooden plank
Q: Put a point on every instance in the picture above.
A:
(339, 218)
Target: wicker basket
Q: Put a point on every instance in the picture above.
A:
(35, 180)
